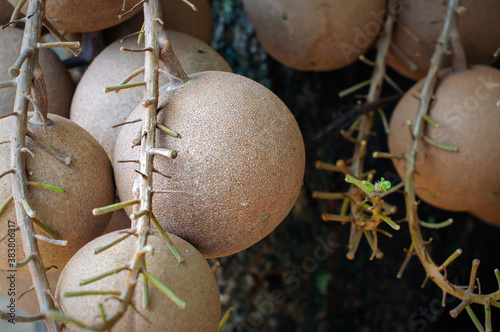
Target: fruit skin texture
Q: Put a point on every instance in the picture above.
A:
(97, 111)
(489, 214)
(84, 15)
(192, 281)
(59, 84)
(479, 30)
(177, 16)
(240, 152)
(87, 181)
(29, 302)
(465, 108)
(317, 35)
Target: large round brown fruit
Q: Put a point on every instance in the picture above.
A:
(177, 16)
(239, 167)
(59, 84)
(14, 287)
(192, 281)
(317, 35)
(84, 15)
(420, 23)
(465, 108)
(97, 111)
(87, 181)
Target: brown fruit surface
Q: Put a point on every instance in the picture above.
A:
(28, 302)
(84, 15)
(465, 108)
(177, 16)
(87, 181)
(420, 23)
(317, 35)
(59, 84)
(192, 281)
(97, 111)
(489, 214)
(240, 162)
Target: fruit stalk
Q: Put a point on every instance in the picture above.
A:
(366, 124)
(32, 33)
(433, 271)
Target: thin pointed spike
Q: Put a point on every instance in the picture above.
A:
(91, 292)
(17, 10)
(385, 123)
(61, 38)
(164, 234)
(42, 238)
(354, 88)
(474, 319)
(443, 224)
(112, 243)
(114, 207)
(168, 131)
(180, 303)
(27, 208)
(450, 259)
(131, 9)
(133, 74)
(408, 257)
(50, 233)
(225, 318)
(47, 147)
(327, 195)
(117, 88)
(103, 275)
(46, 186)
(145, 289)
(6, 203)
(441, 146)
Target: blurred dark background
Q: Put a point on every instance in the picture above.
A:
(298, 278)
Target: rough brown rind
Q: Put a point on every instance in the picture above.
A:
(316, 35)
(192, 281)
(60, 87)
(177, 16)
(241, 154)
(465, 108)
(87, 181)
(420, 22)
(84, 15)
(97, 111)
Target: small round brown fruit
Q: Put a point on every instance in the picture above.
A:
(59, 84)
(239, 167)
(21, 283)
(87, 182)
(97, 111)
(191, 280)
(420, 23)
(465, 108)
(84, 15)
(177, 16)
(316, 35)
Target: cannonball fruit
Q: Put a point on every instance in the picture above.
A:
(87, 182)
(191, 280)
(317, 35)
(465, 107)
(419, 25)
(239, 167)
(97, 111)
(84, 15)
(177, 16)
